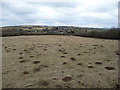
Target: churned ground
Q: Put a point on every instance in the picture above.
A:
(50, 61)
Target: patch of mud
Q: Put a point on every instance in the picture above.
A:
(64, 63)
(98, 62)
(45, 49)
(43, 66)
(31, 49)
(62, 56)
(67, 79)
(80, 64)
(31, 56)
(59, 45)
(65, 53)
(5, 47)
(117, 86)
(110, 68)
(79, 76)
(94, 48)
(23, 61)
(62, 50)
(37, 69)
(25, 50)
(79, 81)
(117, 53)
(107, 60)
(101, 46)
(20, 53)
(90, 66)
(7, 51)
(25, 72)
(44, 83)
(36, 62)
(78, 54)
(55, 78)
(72, 58)
(5, 72)
(20, 57)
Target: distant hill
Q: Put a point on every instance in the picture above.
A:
(112, 33)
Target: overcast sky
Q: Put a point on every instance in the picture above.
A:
(86, 13)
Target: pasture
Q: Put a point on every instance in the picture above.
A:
(49, 61)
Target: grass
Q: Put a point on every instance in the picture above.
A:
(37, 62)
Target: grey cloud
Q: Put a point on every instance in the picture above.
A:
(55, 4)
(61, 12)
(23, 9)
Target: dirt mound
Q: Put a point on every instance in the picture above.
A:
(67, 79)
(72, 58)
(110, 68)
(36, 62)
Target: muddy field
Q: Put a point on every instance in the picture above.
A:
(59, 62)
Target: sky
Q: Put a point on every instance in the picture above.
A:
(82, 13)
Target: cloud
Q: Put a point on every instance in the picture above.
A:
(94, 13)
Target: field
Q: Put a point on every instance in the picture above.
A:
(59, 62)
